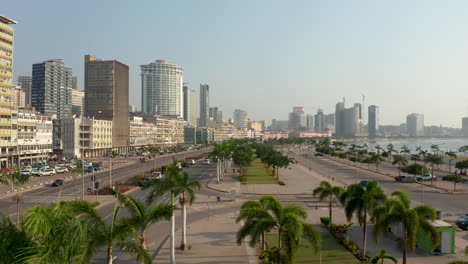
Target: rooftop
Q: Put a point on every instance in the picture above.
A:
(7, 20)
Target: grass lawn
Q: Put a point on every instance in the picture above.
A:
(258, 174)
(332, 252)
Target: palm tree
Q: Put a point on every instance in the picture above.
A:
(434, 160)
(361, 201)
(398, 210)
(13, 240)
(257, 221)
(390, 149)
(401, 161)
(405, 149)
(289, 222)
(381, 256)
(378, 148)
(415, 158)
(142, 214)
(327, 191)
(376, 158)
(15, 178)
(452, 156)
(434, 148)
(186, 188)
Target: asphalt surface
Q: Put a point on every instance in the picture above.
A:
(451, 205)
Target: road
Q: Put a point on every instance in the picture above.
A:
(451, 205)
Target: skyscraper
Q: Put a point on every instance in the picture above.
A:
(319, 124)
(204, 104)
(106, 96)
(339, 119)
(240, 118)
(415, 125)
(373, 122)
(77, 102)
(310, 122)
(352, 121)
(52, 88)
(161, 89)
(17, 97)
(465, 126)
(190, 105)
(216, 114)
(26, 84)
(297, 119)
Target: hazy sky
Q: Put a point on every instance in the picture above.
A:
(268, 56)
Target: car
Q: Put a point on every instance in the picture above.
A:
(90, 169)
(29, 168)
(61, 170)
(192, 162)
(179, 166)
(399, 178)
(426, 177)
(97, 166)
(47, 172)
(156, 174)
(58, 182)
(462, 223)
(318, 154)
(363, 183)
(26, 172)
(206, 161)
(409, 179)
(36, 172)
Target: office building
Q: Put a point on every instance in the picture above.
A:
(204, 105)
(132, 108)
(329, 122)
(17, 97)
(297, 119)
(52, 88)
(465, 126)
(7, 144)
(190, 105)
(415, 125)
(161, 89)
(373, 122)
(319, 124)
(240, 118)
(26, 84)
(106, 96)
(74, 83)
(77, 102)
(310, 122)
(339, 119)
(216, 114)
(352, 121)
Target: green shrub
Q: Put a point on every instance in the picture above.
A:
(342, 155)
(458, 261)
(415, 169)
(242, 178)
(325, 220)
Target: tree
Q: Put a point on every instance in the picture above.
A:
(174, 182)
(434, 160)
(434, 148)
(455, 179)
(277, 160)
(142, 214)
(462, 166)
(405, 150)
(452, 156)
(415, 169)
(13, 240)
(361, 201)
(390, 149)
(401, 161)
(327, 191)
(376, 158)
(463, 148)
(15, 178)
(415, 158)
(378, 148)
(381, 256)
(242, 156)
(397, 210)
(289, 222)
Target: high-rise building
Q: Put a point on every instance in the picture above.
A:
(132, 108)
(310, 122)
(77, 102)
(17, 97)
(352, 121)
(26, 84)
(106, 96)
(240, 118)
(373, 122)
(216, 114)
(329, 122)
(297, 119)
(204, 104)
(161, 89)
(319, 124)
(415, 125)
(190, 105)
(465, 126)
(339, 119)
(52, 88)
(75, 83)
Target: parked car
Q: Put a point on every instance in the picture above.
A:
(409, 179)
(25, 172)
(29, 168)
(426, 177)
(57, 183)
(206, 161)
(156, 174)
(97, 166)
(462, 222)
(47, 172)
(399, 178)
(61, 170)
(318, 154)
(36, 172)
(192, 162)
(90, 169)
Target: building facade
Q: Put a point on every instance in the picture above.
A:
(465, 126)
(415, 125)
(373, 122)
(297, 119)
(52, 88)
(17, 97)
(204, 104)
(190, 105)
(216, 114)
(339, 119)
(161, 89)
(319, 124)
(26, 84)
(240, 118)
(77, 102)
(106, 96)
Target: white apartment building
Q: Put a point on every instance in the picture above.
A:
(240, 118)
(142, 133)
(161, 89)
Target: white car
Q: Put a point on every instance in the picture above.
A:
(47, 172)
(26, 172)
(156, 174)
(61, 170)
(206, 161)
(426, 177)
(192, 162)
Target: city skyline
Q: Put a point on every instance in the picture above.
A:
(355, 53)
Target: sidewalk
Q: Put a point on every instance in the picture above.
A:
(211, 240)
